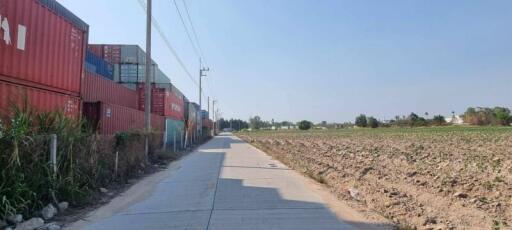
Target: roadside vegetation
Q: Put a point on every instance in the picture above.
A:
(86, 162)
(429, 177)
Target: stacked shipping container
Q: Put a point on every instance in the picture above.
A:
(175, 132)
(111, 118)
(44, 59)
(117, 105)
(109, 53)
(96, 88)
(129, 63)
(42, 55)
(97, 65)
(165, 100)
(206, 123)
(42, 100)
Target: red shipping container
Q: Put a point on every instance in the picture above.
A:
(157, 99)
(109, 53)
(207, 123)
(96, 88)
(176, 107)
(110, 118)
(96, 50)
(164, 101)
(41, 100)
(42, 45)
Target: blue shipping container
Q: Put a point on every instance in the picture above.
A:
(97, 65)
(204, 114)
(175, 133)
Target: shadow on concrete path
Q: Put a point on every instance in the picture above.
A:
(198, 196)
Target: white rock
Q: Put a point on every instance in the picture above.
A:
(103, 190)
(63, 206)
(354, 193)
(30, 224)
(15, 219)
(48, 212)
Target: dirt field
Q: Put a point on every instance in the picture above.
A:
(429, 178)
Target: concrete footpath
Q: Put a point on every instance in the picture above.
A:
(225, 184)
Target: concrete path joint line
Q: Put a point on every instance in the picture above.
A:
(214, 195)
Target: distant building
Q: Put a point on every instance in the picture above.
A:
(455, 119)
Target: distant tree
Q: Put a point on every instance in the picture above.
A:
(361, 121)
(421, 122)
(235, 124)
(372, 122)
(305, 125)
(255, 122)
(426, 114)
(438, 120)
(479, 116)
(502, 115)
(412, 119)
(285, 123)
(415, 120)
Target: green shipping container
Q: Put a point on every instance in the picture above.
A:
(175, 130)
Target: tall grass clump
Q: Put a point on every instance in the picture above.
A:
(85, 160)
(27, 180)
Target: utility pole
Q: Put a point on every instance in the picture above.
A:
(217, 115)
(208, 107)
(201, 75)
(214, 120)
(147, 97)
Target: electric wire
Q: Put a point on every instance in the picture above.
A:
(186, 29)
(155, 24)
(194, 31)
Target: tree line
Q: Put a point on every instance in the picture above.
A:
(472, 116)
(234, 124)
(413, 120)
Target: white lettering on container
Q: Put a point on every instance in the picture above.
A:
(175, 107)
(4, 25)
(22, 33)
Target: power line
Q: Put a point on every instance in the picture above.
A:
(194, 30)
(208, 84)
(186, 29)
(154, 22)
(199, 54)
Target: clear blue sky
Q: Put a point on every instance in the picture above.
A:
(328, 59)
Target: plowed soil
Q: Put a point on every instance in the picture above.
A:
(428, 178)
